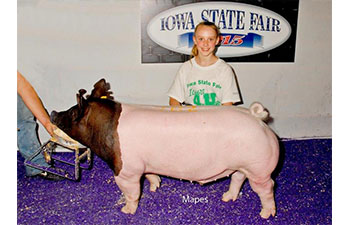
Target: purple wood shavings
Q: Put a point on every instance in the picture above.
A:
(303, 195)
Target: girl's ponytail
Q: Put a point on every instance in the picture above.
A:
(194, 51)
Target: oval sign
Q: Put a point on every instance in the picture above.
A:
(245, 29)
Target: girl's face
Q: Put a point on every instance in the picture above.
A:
(206, 39)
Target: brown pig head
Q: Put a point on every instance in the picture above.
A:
(93, 122)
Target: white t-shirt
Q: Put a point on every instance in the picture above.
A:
(210, 85)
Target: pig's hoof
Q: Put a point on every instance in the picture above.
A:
(154, 181)
(266, 213)
(227, 196)
(154, 187)
(128, 209)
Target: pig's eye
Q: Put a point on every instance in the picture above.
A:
(73, 114)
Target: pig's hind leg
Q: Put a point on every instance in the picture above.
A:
(130, 186)
(264, 188)
(237, 179)
(154, 181)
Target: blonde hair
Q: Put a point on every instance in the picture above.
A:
(194, 51)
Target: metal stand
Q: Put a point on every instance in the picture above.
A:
(82, 160)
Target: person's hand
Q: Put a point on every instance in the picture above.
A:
(174, 102)
(50, 127)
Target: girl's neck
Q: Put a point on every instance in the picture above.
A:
(206, 61)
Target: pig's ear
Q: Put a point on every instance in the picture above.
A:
(80, 99)
(101, 90)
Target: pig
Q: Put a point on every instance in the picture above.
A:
(192, 143)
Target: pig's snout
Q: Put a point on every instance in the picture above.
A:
(53, 116)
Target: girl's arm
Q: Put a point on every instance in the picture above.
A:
(34, 104)
(173, 102)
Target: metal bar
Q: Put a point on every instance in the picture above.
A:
(48, 148)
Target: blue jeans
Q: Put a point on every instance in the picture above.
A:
(27, 138)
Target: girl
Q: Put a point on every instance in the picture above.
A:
(205, 79)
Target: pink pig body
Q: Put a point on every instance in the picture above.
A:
(194, 143)
(198, 144)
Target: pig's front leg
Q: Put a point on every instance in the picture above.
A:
(130, 186)
(154, 181)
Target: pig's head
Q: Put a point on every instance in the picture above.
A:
(93, 122)
(77, 121)
(69, 120)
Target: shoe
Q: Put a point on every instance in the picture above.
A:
(50, 176)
